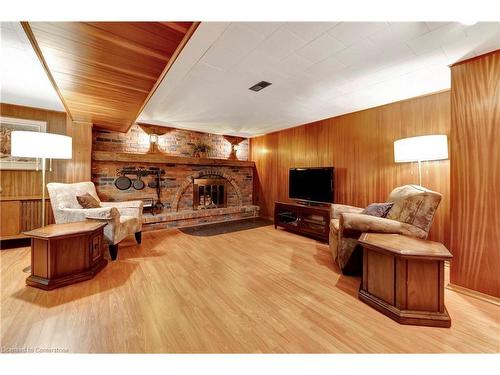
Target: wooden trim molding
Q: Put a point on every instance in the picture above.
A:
(474, 294)
(38, 51)
(170, 62)
(22, 198)
(475, 58)
(166, 159)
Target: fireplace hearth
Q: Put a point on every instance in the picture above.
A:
(209, 193)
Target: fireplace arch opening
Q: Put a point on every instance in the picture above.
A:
(211, 194)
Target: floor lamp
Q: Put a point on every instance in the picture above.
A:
(44, 146)
(419, 149)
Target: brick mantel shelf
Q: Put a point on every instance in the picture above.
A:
(166, 159)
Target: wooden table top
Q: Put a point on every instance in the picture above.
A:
(404, 245)
(319, 206)
(22, 198)
(61, 230)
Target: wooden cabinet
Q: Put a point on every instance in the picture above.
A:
(19, 214)
(63, 254)
(313, 221)
(403, 277)
(10, 218)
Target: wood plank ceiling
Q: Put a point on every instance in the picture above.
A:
(105, 72)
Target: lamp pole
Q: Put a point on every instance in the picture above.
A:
(28, 268)
(41, 145)
(420, 172)
(43, 191)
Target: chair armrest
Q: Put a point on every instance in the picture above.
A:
(368, 223)
(81, 214)
(128, 204)
(128, 208)
(338, 209)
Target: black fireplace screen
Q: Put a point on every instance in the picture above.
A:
(209, 193)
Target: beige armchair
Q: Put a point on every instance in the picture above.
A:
(123, 218)
(412, 214)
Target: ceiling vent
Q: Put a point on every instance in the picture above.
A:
(259, 86)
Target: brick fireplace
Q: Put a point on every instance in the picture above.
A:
(193, 191)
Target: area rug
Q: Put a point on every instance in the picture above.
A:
(226, 227)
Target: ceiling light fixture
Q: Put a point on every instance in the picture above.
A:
(259, 86)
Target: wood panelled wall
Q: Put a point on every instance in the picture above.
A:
(16, 183)
(475, 174)
(360, 146)
(78, 169)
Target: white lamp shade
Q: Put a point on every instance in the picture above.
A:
(424, 148)
(40, 145)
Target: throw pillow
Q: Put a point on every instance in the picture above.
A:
(88, 201)
(378, 209)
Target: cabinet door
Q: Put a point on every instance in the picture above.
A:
(96, 248)
(315, 222)
(10, 218)
(287, 216)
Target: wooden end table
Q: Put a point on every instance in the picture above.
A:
(403, 278)
(63, 254)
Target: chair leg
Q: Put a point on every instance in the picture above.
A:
(138, 237)
(113, 251)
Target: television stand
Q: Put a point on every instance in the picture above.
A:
(311, 221)
(313, 204)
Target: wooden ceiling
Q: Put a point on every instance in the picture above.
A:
(105, 72)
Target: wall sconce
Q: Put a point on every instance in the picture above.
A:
(153, 143)
(154, 132)
(235, 141)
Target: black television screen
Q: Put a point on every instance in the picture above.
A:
(311, 184)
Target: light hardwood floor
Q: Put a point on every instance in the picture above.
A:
(259, 290)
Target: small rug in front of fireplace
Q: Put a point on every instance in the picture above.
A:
(226, 227)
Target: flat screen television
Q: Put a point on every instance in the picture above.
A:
(312, 184)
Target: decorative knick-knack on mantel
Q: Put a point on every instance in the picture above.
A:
(201, 149)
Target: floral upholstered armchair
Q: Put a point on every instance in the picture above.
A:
(123, 218)
(411, 214)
